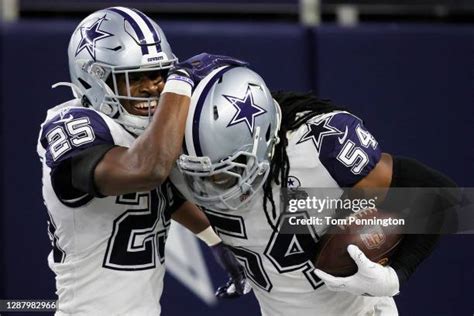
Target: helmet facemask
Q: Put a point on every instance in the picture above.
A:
(107, 79)
(230, 183)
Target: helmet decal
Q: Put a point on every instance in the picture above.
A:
(156, 37)
(144, 30)
(246, 108)
(199, 106)
(90, 35)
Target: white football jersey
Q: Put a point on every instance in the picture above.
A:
(332, 150)
(108, 253)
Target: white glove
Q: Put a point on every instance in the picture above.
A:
(371, 279)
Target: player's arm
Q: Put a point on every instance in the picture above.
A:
(395, 172)
(435, 205)
(191, 217)
(372, 278)
(378, 181)
(147, 163)
(398, 172)
(383, 173)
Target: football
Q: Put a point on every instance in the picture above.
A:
(378, 240)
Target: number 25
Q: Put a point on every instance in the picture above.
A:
(79, 131)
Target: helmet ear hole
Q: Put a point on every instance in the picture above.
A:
(84, 83)
(216, 113)
(267, 134)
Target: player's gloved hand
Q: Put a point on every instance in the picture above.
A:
(371, 279)
(199, 66)
(226, 259)
(228, 290)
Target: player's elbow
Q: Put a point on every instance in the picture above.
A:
(154, 176)
(162, 167)
(152, 170)
(146, 177)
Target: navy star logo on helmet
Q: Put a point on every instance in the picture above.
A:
(246, 108)
(90, 35)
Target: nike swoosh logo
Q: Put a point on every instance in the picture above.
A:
(65, 120)
(114, 49)
(343, 139)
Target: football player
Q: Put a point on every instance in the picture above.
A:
(106, 156)
(243, 144)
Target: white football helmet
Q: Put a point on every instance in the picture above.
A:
(113, 41)
(232, 127)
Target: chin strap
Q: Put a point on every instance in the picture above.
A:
(135, 124)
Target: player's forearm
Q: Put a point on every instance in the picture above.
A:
(155, 151)
(412, 251)
(147, 163)
(191, 217)
(435, 206)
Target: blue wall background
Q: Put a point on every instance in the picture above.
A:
(412, 84)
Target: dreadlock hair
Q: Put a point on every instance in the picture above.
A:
(296, 109)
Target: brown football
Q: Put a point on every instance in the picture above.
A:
(378, 242)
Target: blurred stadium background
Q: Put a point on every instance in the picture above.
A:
(405, 66)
